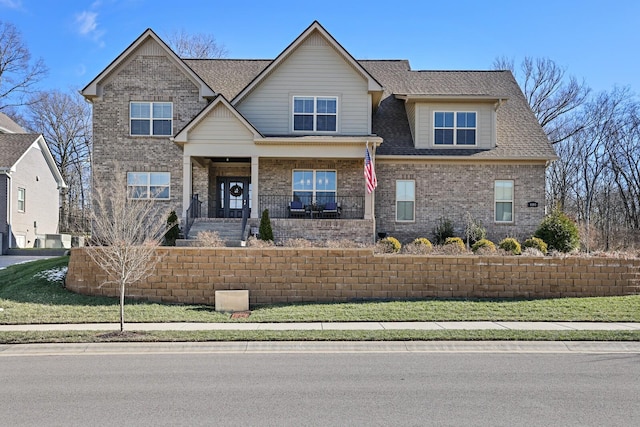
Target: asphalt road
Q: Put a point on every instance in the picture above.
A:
(7, 260)
(345, 389)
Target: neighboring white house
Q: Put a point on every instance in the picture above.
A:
(30, 186)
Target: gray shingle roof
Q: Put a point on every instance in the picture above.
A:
(518, 133)
(13, 146)
(10, 125)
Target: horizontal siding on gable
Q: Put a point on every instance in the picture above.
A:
(313, 69)
(220, 125)
(485, 129)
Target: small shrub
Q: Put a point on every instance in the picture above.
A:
(254, 242)
(531, 251)
(419, 246)
(298, 243)
(474, 231)
(443, 230)
(173, 230)
(388, 245)
(536, 243)
(455, 242)
(210, 239)
(510, 245)
(483, 246)
(265, 232)
(559, 232)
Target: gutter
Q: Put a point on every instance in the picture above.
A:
(7, 172)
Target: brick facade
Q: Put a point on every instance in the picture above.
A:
(286, 275)
(142, 78)
(454, 191)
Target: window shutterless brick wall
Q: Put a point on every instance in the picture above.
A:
(280, 275)
(455, 190)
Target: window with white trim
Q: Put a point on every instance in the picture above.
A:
(504, 201)
(148, 185)
(151, 118)
(314, 186)
(22, 197)
(315, 113)
(405, 200)
(454, 128)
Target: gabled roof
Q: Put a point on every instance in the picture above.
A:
(182, 136)
(14, 146)
(93, 89)
(9, 126)
(373, 85)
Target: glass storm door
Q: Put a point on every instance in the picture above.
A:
(233, 195)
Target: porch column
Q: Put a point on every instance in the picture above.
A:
(186, 184)
(369, 203)
(255, 193)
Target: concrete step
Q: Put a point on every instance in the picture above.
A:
(227, 229)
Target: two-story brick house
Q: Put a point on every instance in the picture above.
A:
(249, 135)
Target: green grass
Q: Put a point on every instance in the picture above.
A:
(28, 297)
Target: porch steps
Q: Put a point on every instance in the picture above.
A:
(229, 229)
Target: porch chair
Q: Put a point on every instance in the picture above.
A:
(296, 209)
(331, 210)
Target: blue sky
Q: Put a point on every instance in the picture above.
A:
(594, 40)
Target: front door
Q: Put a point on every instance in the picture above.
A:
(233, 195)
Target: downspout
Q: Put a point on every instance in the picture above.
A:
(7, 172)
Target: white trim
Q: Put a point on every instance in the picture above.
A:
(405, 200)
(150, 119)
(496, 201)
(315, 114)
(313, 191)
(149, 185)
(23, 200)
(455, 128)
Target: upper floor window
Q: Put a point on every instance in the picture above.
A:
(315, 113)
(504, 200)
(405, 200)
(148, 185)
(454, 128)
(314, 186)
(22, 194)
(151, 118)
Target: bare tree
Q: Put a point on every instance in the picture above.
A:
(552, 95)
(196, 46)
(128, 231)
(18, 74)
(65, 121)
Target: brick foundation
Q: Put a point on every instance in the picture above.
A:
(280, 275)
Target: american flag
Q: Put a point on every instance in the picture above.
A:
(369, 172)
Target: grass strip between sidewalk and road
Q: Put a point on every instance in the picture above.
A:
(33, 293)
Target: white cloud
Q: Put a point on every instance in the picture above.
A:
(87, 22)
(11, 4)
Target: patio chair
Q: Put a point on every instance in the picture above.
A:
(296, 209)
(331, 210)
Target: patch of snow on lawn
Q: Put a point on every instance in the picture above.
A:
(55, 275)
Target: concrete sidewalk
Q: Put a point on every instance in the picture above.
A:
(332, 326)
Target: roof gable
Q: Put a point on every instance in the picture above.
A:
(183, 135)
(13, 147)
(372, 84)
(9, 126)
(94, 89)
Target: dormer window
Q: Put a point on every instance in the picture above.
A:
(454, 128)
(315, 114)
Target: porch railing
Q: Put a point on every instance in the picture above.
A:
(351, 207)
(194, 211)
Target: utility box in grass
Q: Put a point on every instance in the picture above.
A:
(231, 301)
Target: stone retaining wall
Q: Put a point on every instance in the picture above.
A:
(280, 275)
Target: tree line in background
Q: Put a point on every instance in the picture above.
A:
(596, 179)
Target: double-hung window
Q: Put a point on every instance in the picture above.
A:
(314, 186)
(151, 118)
(148, 185)
(405, 200)
(504, 200)
(22, 194)
(315, 113)
(454, 128)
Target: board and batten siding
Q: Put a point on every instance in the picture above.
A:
(423, 126)
(313, 69)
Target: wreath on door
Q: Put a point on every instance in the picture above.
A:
(235, 190)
